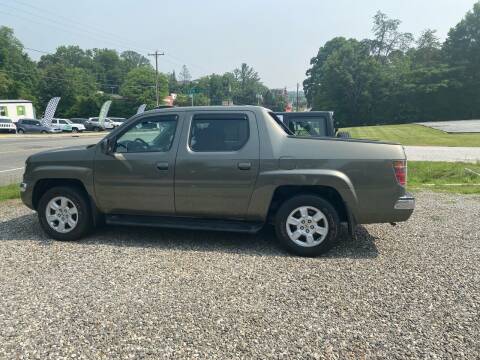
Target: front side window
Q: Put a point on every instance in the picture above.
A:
(153, 134)
(20, 110)
(63, 122)
(3, 111)
(219, 132)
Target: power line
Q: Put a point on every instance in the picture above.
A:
(86, 29)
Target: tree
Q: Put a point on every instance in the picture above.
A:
(246, 86)
(18, 72)
(274, 99)
(132, 59)
(173, 87)
(139, 86)
(184, 75)
(387, 37)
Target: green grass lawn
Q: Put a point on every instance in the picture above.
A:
(9, 192)
(412, 134)
(457, 178)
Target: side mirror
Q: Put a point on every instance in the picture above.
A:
(108, 145)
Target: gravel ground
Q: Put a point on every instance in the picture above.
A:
(410, 291)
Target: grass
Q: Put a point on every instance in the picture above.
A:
(412, 134)
(444, 177)
(9, 192)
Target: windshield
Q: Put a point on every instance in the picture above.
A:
(5, 121)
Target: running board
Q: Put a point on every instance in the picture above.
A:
(185, 223)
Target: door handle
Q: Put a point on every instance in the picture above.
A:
(246, 165)
(162, 165)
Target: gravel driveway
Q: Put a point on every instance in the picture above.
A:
(410, 291)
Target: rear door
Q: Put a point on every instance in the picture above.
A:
(217, 164)
(138, 177)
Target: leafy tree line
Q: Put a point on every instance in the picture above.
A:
(395, 78)
(86, 78)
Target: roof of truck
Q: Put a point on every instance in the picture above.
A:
(209, 108)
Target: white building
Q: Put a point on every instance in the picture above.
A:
(17, 109)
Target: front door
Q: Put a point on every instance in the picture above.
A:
(138, 177)
(217, 164)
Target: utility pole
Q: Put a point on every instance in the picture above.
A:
(297, 95)
(156, 54)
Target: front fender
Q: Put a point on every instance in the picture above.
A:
(52, 172)
(269, 181)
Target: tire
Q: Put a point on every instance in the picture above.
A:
(344, 135)
(96, 128)
(329, 225)
(43, 132)
(21, 131)
(76, 199)
(74, 130)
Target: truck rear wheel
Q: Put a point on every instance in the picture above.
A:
(307, 225)
(64, 213)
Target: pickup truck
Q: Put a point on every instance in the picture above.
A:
(234, 168)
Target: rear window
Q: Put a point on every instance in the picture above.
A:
(308, 126)
(219, 132)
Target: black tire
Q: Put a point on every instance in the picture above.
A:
(43, 132)
(84, 220)
(21, 131)
(96, 128)
(74, 130)
(319, 203)
(344, 135)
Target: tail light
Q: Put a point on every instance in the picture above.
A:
(400, 168)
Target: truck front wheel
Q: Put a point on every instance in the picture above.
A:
(307, 225)
(64, 213)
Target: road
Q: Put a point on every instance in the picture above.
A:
(443, 153)
(14, 150)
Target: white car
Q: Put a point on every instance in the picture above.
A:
(7, 125)
(95, 125)
(117, 121)
(67, 125)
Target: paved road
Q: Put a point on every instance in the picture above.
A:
(443, 153)
(457, 126)
(14, 150)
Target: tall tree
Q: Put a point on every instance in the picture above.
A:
(387, 36)
(184, 75)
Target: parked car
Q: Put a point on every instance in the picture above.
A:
(117, 121)
(311, 123)
(34, 126)
(232, 168)
(94, 125)
(67, 125)
(7, 125)
(79, 120)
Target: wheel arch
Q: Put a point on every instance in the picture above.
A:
(285, 192)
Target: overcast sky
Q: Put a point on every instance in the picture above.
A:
(276, 37)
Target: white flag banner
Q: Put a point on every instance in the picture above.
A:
(141, 108)
(104, 112)
(50, 111)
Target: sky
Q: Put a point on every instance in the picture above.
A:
(277, 38)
